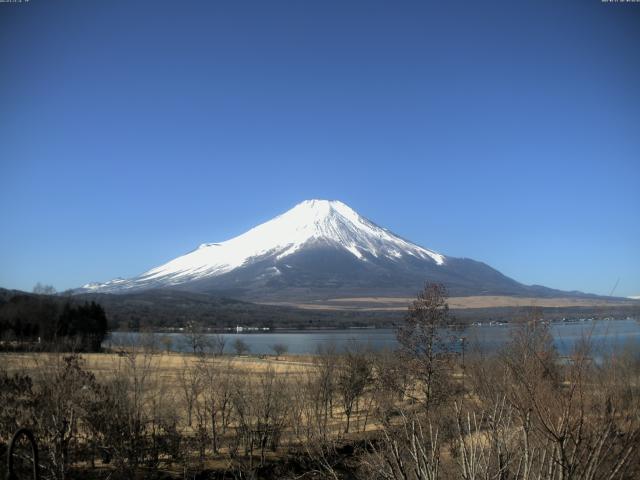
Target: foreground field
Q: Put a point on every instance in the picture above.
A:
(167, 365)
(225, 413)
(520, 413)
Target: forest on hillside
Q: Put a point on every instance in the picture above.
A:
(43, 322)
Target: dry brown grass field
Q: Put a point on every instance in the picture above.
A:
(163, 371)
(519, 413)
(488, 301)
(168, 365)
(164, 374)
(171, 387)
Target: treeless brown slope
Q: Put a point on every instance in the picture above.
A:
(493, 301)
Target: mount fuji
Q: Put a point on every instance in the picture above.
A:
(319, 249)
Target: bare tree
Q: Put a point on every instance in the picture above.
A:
(41, 289)
(240, 346)
(136, 377)
(279, 349)
(407, 451)
(218, 343)
(424, 347)
(326, 362)
(190, 382)
(195, 335)
(354, 374)
(315, 391)
(201, 413)
(538, 418)
(261, 411)
(60, 403)
(217, 393)
(391, 380)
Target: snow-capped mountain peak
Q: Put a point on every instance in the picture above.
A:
(317, 251)
(308, 224)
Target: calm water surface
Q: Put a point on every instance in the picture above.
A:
(606, 336)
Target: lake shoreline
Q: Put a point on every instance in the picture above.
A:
(611, 334)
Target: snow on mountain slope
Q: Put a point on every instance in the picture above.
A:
(310, 222)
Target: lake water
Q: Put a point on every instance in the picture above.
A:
(606, 336)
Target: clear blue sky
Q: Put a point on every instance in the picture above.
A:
(507, 132)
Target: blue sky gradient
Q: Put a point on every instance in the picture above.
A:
(507, 132)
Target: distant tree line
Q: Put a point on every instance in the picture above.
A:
(164, 309)
(167, 309)
(42, 321)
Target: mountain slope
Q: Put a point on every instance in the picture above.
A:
(318, 249)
